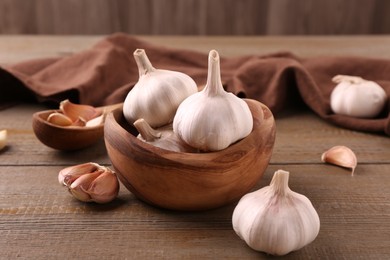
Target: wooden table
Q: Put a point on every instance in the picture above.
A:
(40, 220)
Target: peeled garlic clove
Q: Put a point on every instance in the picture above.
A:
(59, 119)
(357, 97)
(77, 111)
(340, 156)
(213, 119)
(3, 139)
(157, 93)
(96, 121)
(275, 219)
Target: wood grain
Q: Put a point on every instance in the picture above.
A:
(195, 17)
(39, 219)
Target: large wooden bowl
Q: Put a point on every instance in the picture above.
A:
(190, 181)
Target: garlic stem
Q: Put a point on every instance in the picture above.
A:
(143, 63)
(146, 131)
(214, 84)
(347, 78)
(279, 182)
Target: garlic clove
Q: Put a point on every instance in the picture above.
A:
(275, 219)
(59, 119)
(3, 139)
(157, 94)
(96, 121)
(90, 182)
(340, 156)
(104, 188)
(69, 174)
(79, 188)
(78, 112)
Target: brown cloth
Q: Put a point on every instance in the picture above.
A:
(105, 73)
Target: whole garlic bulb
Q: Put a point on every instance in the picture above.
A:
(357, 97)
(212, 119)
(157, 93)
(275, 219)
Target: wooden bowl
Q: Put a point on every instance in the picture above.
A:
(64, 138)
(190, 181)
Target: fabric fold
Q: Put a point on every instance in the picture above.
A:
(106, 72)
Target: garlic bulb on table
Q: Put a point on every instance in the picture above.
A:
(212, 119)
(357, 97)
(157, 93)
(163, 137)
(275, 219)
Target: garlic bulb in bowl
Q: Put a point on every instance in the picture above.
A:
(213, 119)
(357, 97)
(157, 94)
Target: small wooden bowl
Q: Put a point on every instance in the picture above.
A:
(190, 181)
(64, 138)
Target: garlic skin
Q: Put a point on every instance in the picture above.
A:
(357, 97)
(90, 182)
(275, 219)
(3, 139)
(157, 93)
(341, 156)
(163, 137)
(213, 119)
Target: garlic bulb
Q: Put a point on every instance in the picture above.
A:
(157, 94)
(275, 219)
(357, 97)
(90, 182)
(212, 119)
(163, 137)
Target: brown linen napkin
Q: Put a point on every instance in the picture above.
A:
(105, 73)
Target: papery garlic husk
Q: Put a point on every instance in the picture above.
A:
(157, 93)
(3, 139)
(213, 119)
(90, 182)
(275, 219)
(341, 156)
(357, 97)
(163, 137)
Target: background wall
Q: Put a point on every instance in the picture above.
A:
(195, 17)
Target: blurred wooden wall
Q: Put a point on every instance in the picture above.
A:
(195, 17)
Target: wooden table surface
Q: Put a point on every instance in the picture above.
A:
(40, 220)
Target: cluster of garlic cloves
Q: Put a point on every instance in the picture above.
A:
(341, 156)
(90, 182)
(275, 219)
(3, 139)
(71, 114)
(356, 97)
